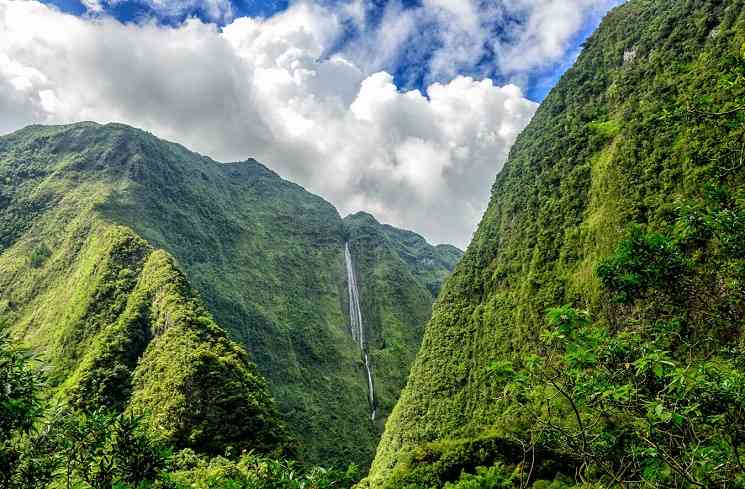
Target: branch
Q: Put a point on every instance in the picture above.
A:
(576, 413)
(532, 462)
(715, 114)
(673, 464)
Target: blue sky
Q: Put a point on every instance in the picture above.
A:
(408, 74)
(403, 108)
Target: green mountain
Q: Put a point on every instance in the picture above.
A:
(624, 197)
(147, 276)
(402, 275)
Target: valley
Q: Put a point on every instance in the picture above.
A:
(168, 321)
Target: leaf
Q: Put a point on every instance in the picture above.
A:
(658, 410)
(659, 371)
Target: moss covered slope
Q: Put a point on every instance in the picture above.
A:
(125, 331)
(648, 118)
(82, 207)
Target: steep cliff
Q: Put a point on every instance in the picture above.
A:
(637, 149)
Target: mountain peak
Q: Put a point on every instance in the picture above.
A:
(265, 255)
(362, 216)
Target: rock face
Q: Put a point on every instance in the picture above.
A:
(253, 264)
(648, 119)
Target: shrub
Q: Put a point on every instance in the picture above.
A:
(643, 261)
(628, 410)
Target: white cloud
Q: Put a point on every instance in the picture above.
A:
(457, 35)
(268, 89)
(546, 31)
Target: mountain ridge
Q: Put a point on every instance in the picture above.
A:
(265, 256)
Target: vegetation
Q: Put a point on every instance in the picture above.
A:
(622, 198)
(629, 409)
(45, 447)
(651, 395)
(20, 405)
(124, 257)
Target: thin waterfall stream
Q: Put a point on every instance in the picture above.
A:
(357, 328)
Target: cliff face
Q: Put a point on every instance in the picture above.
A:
(643, 127)
(84, 211)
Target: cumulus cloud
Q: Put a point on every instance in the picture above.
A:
(543, 31)
(272, 89)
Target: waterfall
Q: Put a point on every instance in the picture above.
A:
(356, 326)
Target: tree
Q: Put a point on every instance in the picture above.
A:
(104, 448)
(20, 407)
(627, 409)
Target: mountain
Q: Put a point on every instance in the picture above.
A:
(402, 277)
(624, 197)
(147, 276)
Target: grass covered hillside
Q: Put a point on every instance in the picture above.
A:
(621, 212)
(121, 253)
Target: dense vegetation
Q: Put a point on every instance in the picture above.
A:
(42, 446)
(624, 200)
(591, 336)
(133, 265)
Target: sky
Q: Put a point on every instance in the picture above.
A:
(403, 108)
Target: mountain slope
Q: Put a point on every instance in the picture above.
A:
(637, 133)
(401, 275)
(264, 255)
(122, 329)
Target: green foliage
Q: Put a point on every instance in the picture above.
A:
(254, 472)
(20, 406)
(607, 129)
(641, 262)
(435, 464)
(21, 388)
(143, 342)
(39, 255)
(200, 388)
(628, 410)
(718, 218)
(635, 398)
(104, 449)
(52, 448)
(485, 478)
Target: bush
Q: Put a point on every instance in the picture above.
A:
(39, 255)
(642, 262)
(628, 410)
